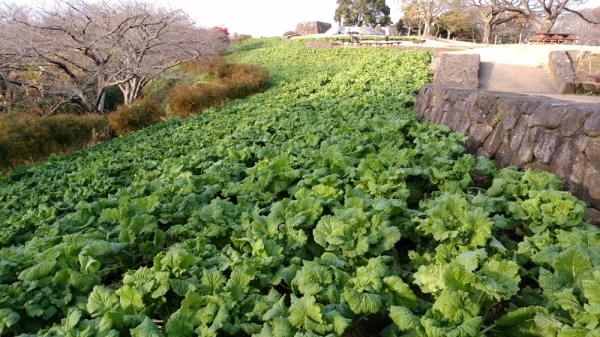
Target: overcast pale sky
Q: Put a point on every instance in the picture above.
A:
(262, 17)
(254, 17)
(259, 17)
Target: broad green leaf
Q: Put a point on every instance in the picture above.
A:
(88, 264)
(146, 329)
(571, 263)
(591, 291)
(455, 307)
(470, 259)
(430, 278)
(179, 325)
(281, 327)
(37, 271)
(101, 300)
(8, 318)
(400, 291)
(521, 317)
(182, 286)
(336, 315)
(130, 298)
(72, 319)
(362, 303)
(565, 298)
(499, 279)
(455, 277)
(549, 281)
(435, 328)
(547, 325)
(329, 232)
(82, 282)
(212, 282)
(404, 318)
(176, 261)
(279, 309)
(305, 309)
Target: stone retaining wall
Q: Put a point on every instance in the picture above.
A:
(458, 70)
(527, 131)
(563, 74)
(312, 27)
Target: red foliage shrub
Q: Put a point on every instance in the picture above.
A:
(140, 114)
(221, 30)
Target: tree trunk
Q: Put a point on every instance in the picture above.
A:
(427, 29)
(131, 90)
(85, 102)
(541, 26)
(487, 32)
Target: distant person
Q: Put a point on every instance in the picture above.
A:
(387, 33)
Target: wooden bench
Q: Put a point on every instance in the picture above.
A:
(418, 41)
(354, 37)
(596, 78)
(554, 38)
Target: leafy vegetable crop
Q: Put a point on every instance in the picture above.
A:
(301, 211)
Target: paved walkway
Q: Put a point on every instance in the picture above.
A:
(523, 69)
(514, 78)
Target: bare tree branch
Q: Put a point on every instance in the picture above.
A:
(77, 50)
(579, 14)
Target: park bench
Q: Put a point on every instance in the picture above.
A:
(554, 38)
(418, 41)
(354, 37)
(596, 78)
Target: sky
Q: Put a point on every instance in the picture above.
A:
(255, 17)
(261, 17)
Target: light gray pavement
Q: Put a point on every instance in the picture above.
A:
(523, 68)
(514, 78)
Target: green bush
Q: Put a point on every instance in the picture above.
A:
(26, 138)
(140, 114)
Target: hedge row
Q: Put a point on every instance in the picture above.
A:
(226, 82)
(26, 138)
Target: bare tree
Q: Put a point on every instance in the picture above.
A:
(587, 32)
(425, 10)
(491, 14)
(453, 21)
(411, 17)
(541, 14)
(77, 50)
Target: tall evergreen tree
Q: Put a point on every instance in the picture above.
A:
(362, 12)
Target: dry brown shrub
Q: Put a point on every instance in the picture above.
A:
(140, 114)
(26, 138)
(233, 81)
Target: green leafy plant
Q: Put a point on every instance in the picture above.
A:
(304, 210)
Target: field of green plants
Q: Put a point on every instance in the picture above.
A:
(317, 208)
